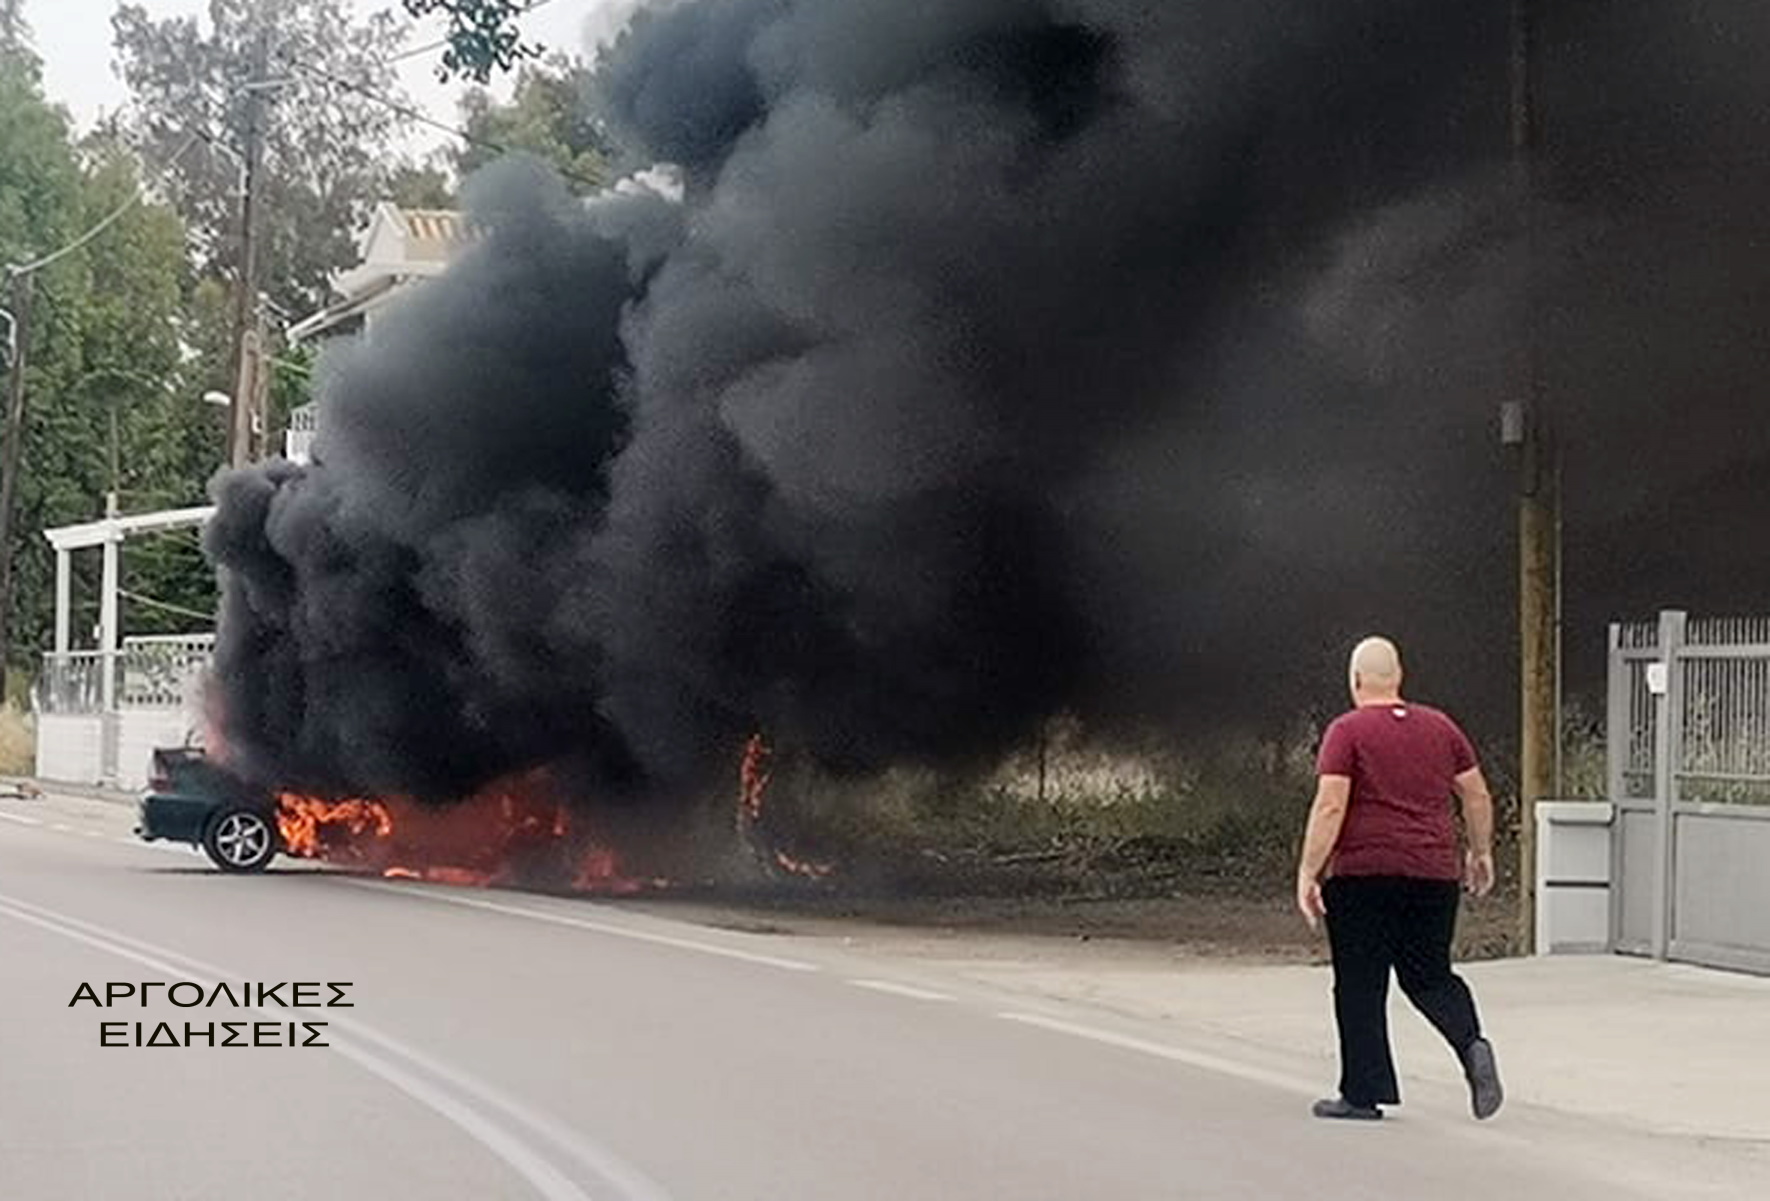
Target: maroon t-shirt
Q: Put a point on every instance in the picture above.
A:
(1401, 759)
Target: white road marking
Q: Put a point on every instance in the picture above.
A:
(21, 819)
(1197, 1059)
(548, 1181)
(901, 990)
(560, 919)
(60, 827)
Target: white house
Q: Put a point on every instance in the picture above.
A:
(400, 248)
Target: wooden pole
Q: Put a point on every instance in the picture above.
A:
(1538, 687)
(1539, 522)
(11, 453)
(247, 349)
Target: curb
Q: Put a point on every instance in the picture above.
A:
(54, 788)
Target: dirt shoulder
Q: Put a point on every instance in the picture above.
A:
(1218, 927)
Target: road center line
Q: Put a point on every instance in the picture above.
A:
(901, 990)
(21, 819)
(547, 1181)
(614, 931)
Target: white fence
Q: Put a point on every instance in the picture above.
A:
(99, 716)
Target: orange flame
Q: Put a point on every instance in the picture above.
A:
(753, 778)
(755, 772)
(514, 831)
(803, 867)
(311, 827)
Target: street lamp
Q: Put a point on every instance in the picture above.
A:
(224, 401)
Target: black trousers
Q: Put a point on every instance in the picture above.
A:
(1377, 924)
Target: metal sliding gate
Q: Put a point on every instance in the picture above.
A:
(1688, 746)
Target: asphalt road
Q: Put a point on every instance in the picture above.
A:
(503, 1045)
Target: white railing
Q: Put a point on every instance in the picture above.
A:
(149, 672)
(70, 683)
(157, 671)
(298, 438)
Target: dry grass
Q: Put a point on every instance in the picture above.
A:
(1158, 836)
(18, 742)
(1074, 816)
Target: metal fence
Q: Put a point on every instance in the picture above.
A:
(1689, 772)
(144, 673)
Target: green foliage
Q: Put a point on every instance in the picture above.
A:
(105, 342)
(548, 115)
(483, 37)
(427, 185)
(15, 34)
(327, 129)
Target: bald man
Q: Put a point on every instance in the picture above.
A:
(1383, 865)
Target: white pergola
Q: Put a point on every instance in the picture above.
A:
(109, 534)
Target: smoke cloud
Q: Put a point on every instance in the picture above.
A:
(999, 358)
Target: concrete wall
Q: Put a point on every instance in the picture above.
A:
(70, 748)
(115, 750)
(139, 731)
(1573, 877)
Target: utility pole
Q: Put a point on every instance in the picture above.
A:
(1525, 425)
(248, 345)
(10, 454)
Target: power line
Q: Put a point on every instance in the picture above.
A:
(104, 223)
(415, 51)
(443, 43)
(164, 606)
(404, 110)
(412, 114)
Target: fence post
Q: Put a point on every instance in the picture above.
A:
(1619, 733)
(1668, 739)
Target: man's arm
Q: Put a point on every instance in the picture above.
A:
(1326, 815)
(1477, 805)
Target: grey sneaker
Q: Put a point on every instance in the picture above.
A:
(1486, 1094)
(1344, 1110)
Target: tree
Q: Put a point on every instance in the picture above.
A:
(15, 34)
(483, 37)
(548, 115)
(112, 351)
(425, 185)
(39, 195)
(327, 98)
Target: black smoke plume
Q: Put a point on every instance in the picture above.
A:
(998, 358)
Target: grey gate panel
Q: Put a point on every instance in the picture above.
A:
(1689, 770)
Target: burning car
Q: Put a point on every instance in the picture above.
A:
(192, 799)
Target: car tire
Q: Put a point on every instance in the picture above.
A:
(240, 839)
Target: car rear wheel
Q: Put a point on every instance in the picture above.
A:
(240, 840)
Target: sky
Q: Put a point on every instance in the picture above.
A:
(73, 37)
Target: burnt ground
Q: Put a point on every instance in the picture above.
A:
(1214, 923)
(1183, 898)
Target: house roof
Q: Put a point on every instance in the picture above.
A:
(398, 247)
(432, 234)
